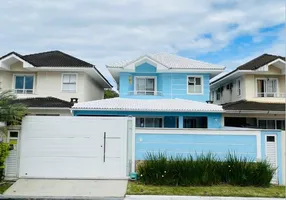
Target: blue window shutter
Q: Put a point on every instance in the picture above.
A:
(29, 80)
(19, 82)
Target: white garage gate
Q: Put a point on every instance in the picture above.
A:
(76, 147)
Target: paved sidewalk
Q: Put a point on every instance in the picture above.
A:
(157, 197)
(67, 189)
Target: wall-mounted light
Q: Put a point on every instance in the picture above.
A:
(130, 80)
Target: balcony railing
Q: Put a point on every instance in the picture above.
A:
(270, 94)
(24, 91)
(146, 93)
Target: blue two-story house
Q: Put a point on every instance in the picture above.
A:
(169, 97)
(163, 91)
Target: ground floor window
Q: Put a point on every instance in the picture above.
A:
(195, 122)
(255, 123)
(271, 124)
(149, 122)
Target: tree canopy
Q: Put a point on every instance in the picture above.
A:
(10, 111)
(110, 94)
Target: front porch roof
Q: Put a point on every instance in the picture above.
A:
(244, 106)
(147, 105)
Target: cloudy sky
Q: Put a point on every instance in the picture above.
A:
(227, 32)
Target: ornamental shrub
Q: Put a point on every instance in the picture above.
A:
(203, 170)
(4, 152)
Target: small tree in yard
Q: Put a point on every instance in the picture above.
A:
(10, 113)
(108, 94)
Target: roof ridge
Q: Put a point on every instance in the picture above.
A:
(51, 51)
(163, 57)
(75, 58)
(12, 52)
(252, 61)
(58, 51)
(257, 58)
(278, 56)
(191, 59)
(263, 59)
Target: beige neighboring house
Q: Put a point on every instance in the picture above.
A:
(50, 82)
(253, 95)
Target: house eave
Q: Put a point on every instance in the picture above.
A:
(48, 108)
(146, 110)
(254, 112)
(115, 71)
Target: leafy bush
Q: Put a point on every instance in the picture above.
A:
(159, 169)
(4, 152)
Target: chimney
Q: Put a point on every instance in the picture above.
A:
(74, 100)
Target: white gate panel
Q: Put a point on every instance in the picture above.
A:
(11, 169)
(271, 154)
(74, 147)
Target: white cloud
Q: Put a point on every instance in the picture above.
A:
(276, 48)
(106, 31)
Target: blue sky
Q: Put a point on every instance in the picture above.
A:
(226, 32)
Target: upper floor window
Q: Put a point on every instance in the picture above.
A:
(212, 95)
(24, 84)
(267, 87)
(195, 85)
(238, 87)
(217, 95)
(219, 92)
(145, 85)
(69, 82)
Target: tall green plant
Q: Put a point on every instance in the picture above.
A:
(203, 169)
(4, 152)
(10, 113)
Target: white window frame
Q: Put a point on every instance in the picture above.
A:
(76, 81)
(14, 83)
(256, 89)
(238, 88)
(149, 117)
(155, 84)
(202, 84)
(213, 95)
(216, 92)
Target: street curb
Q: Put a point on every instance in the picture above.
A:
(163, 197)
(59, 197)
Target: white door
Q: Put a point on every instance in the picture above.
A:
(271, 154)
(11, 169)
(74, 147)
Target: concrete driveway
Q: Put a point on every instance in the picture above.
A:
(68, 189)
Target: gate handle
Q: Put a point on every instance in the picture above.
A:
(104, 144)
